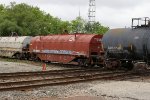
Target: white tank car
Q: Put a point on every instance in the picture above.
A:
(14, 46)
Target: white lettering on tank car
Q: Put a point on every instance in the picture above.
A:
(36, 50)
(98, 39)
(111, 48)
(59, 52)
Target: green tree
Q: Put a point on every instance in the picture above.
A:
(28, 20)
(1, 13)
(78, 25)
(7, 27)
(96, 28)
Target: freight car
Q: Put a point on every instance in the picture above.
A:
(82, 49)
(15, 47)
(127, 46)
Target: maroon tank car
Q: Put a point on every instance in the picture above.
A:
(84, 49)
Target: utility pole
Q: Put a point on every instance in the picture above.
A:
(79, 25)
(91, 14)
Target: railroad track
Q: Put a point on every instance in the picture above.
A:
(57, 78)
(51, 72)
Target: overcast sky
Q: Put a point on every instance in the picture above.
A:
(111, 13)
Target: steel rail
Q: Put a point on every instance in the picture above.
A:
(58, 81)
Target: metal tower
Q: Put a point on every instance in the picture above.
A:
(92, 11)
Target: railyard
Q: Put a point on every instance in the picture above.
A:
(25, 80)
(48, 54)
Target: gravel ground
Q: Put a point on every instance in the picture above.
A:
(7, 67)
(96, 90)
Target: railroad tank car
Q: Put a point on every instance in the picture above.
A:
(83, 49)
(16, 47)
(126, 45)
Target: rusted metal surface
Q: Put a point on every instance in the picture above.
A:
(66, 47)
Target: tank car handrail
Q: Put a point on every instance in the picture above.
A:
(140, 20)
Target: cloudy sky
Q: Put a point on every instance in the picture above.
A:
(111, 13)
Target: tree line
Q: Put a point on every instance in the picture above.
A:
(25, 19)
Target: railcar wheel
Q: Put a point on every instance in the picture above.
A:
(83, 62)
(18, 56)
(113, 65)
(140, 66)
(127, 65)
(131, 66)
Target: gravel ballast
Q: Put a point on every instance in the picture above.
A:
(9, 67)
(96, 90)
